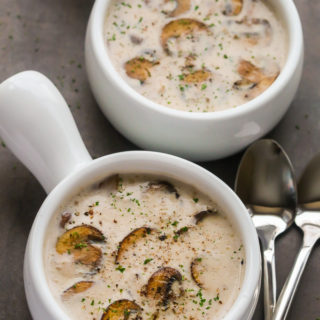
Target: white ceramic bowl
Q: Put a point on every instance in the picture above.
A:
(196, 136)
(37, 126)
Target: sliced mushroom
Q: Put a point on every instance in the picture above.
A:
(179, 28)
(122, 310)
(266, 82)
(196, 271)
(135, 39)
(183, 233)
(161, 285)
(65, 217)
(244, 85)
(197, 76)
(77, 236)
(200, 216)
(131, 239)
(163, 186)
(254, 81)
(232, 7)
(261, 86)
(249, 71)
(138, 68)
(181, 7)
(78, 287)
(88, 255)
(253, 30)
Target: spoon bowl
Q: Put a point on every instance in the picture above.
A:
(308, 220)
(266, 184)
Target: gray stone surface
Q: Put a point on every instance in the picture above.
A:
(48, 36)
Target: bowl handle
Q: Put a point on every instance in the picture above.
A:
(37, 126)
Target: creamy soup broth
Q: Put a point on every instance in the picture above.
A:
(196, 55)
(162, 250)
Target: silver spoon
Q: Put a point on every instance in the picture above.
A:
(308, 219)
(266, 184)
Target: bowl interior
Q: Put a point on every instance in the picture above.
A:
(151, 163)
(286, 11)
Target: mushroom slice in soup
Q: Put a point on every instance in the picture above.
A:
(254, 80)
(78, 287)
(164, 285)
(250, 72)
(180, 28)
(197, 76)
(122, 310)
(163, 186)
(87, 254)
(196, 271)
(181, 7)
(131, 239)
(253, 30)
(244, 85)
(182, 231)
(138, 68)
(200, 216)
(78, 237)
(232, 7)
(136, 39)
(65, 217)
(261, 86)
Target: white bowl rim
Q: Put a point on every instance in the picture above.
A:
(295, 51)
(34, 255)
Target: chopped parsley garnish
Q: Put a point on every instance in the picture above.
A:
(147, 261)
(183, 230)
(121, 269)
(80, 245)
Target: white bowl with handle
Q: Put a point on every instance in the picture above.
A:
(195, 136)
(37, 125)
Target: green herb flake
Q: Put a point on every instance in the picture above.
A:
(121, 269)
(80, 245)
(147, 261)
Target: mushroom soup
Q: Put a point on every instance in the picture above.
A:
(141, 247)
(196, 55)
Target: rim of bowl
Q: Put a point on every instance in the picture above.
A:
(293, 27)
(251, 283)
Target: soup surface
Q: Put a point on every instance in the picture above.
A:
(143, 247)
(196, 55)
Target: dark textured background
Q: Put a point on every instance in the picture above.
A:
(48, 36)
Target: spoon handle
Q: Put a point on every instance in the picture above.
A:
(269, 275)
(287, 293)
